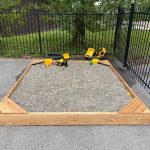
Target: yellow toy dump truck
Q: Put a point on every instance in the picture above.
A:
(63, 61)
(90, 53)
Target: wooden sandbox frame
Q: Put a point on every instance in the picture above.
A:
(134, 113)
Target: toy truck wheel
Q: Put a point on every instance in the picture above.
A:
(66, 65)
(60, 64)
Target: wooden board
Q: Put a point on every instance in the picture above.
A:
(7, 106)
(37, 61)
(105, 62)
(75, 119)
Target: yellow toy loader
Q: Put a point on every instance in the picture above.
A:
(101, 54)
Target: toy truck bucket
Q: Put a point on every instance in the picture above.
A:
(66, 56)
(90, 52)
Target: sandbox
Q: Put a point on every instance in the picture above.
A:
(78, 88)
(80, 94)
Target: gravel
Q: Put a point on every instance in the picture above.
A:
(78, 88)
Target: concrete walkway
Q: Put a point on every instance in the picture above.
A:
(68, 137)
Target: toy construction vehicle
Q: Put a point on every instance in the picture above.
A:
(63, 61)
(90, 53)
(101, 54)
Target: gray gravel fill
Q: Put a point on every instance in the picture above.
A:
(78, 88)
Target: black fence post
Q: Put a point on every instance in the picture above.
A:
(128, 35)
(39, 30)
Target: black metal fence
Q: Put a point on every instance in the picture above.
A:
(38, 32)
(133, 46)
(35, 32)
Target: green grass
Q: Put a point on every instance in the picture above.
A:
(54, 41)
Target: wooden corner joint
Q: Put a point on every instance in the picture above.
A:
(8, 106)
(134, 106)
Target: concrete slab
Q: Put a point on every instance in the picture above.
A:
(75, 138)
(9, 70)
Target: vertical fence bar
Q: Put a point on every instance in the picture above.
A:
(43, 39)
(18, 33)
(69, 30)
(39, 30)
(95, 31)
(28, 33)
(56, 25)
(25, 31)
(53, 32)
(11, 15)
(7, 36)
(99, 30)
(2, 41)
(47, 39)
(128, 35)
(32, 37)
(60, 30)
(62, 44)
(66, 37)
(13, 29)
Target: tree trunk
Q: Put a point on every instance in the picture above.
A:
(118, 28)
(79, 35)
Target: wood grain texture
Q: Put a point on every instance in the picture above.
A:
(75, 119)
(134, 106)
(0, 109)
(7, 106)
(37, 61)
(105, 62)
(141, 108)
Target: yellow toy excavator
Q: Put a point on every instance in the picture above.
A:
(100, 53)
(63, 61)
